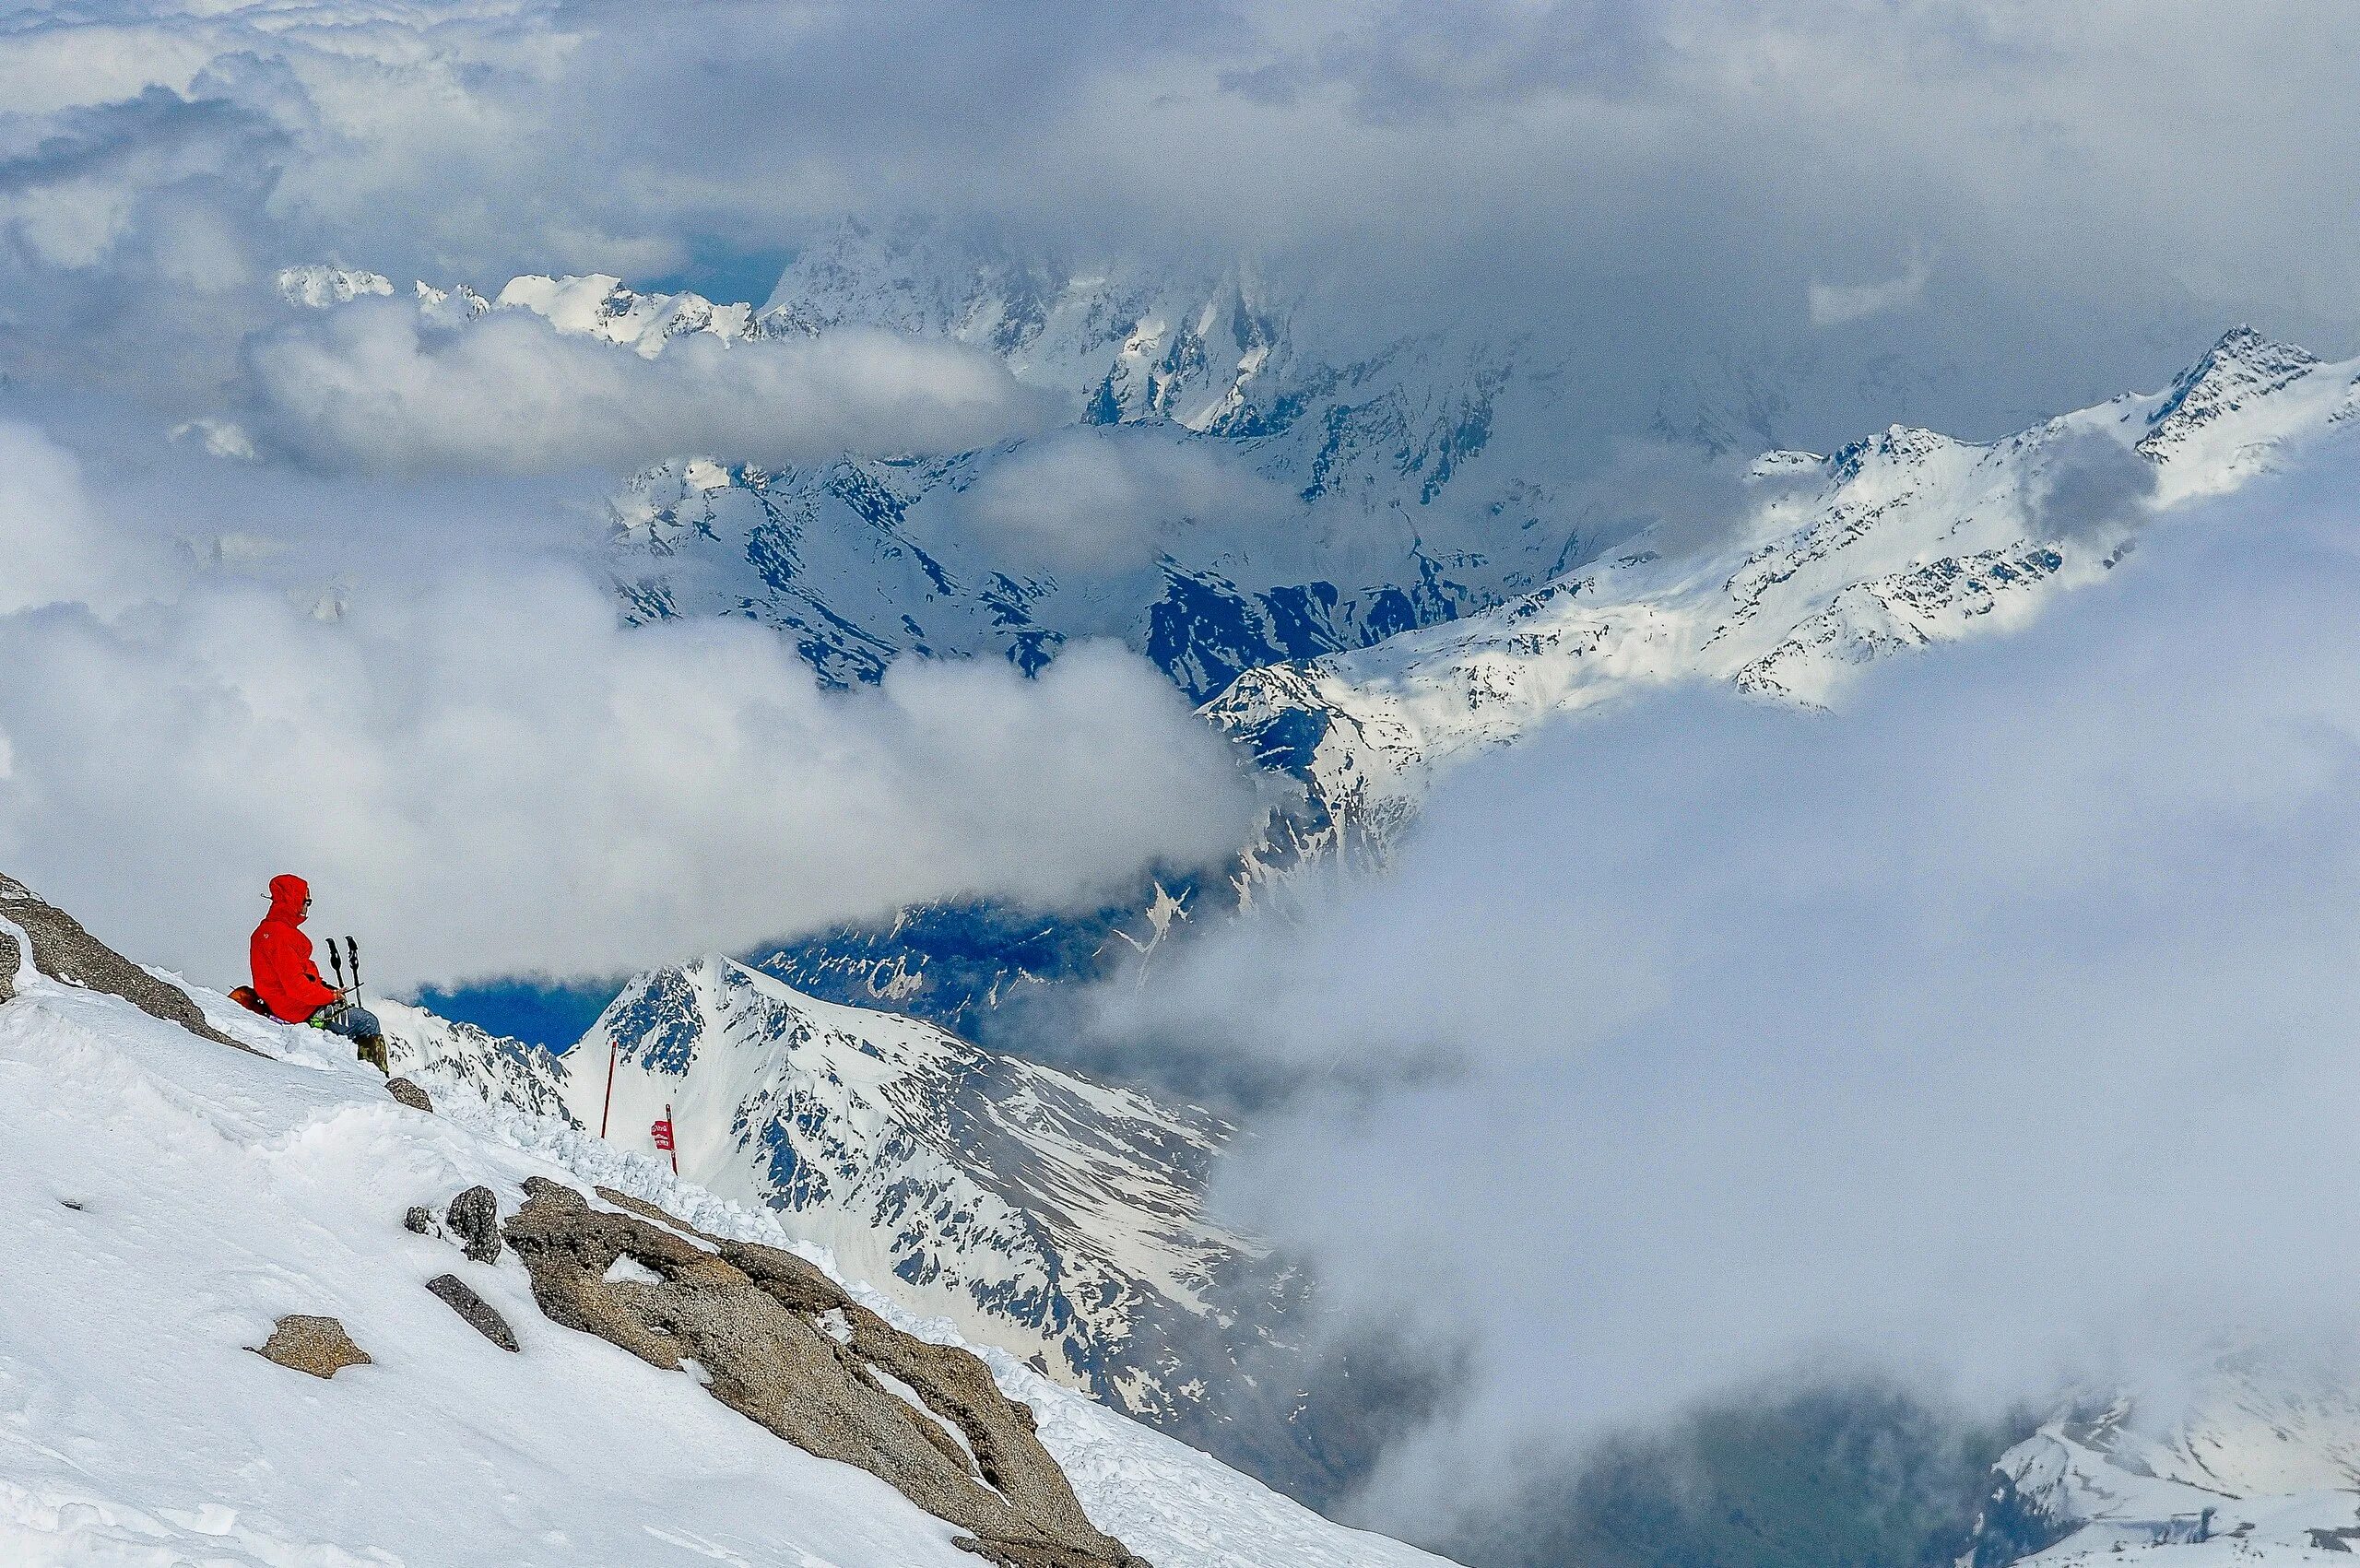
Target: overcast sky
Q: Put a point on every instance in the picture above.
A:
(1983, 210)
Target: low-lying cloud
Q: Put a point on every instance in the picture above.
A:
(1093, 500)
(1833, 304)
(373, 386)
(485, 774)
(1998, 1029)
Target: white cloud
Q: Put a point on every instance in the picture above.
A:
(485, 774)
(54, 547)
(1663, 188)
(1106, 499)
(1999, 1028)
(374, 385)
(1833, 304)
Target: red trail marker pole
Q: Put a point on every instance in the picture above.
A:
(613, 1046)
(663, 1131)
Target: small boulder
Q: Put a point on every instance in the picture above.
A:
(411, 1094)
(315, 1345)
(474, 1217)
(480, 1314)
(419, 1220)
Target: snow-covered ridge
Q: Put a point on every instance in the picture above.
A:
(164, 1198)
(1041, 1212)
(1903, 540)
(2261, 1463)
(1055, 1218)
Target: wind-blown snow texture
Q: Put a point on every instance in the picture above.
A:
(164, 1198)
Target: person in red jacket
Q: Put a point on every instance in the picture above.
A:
(288, 982)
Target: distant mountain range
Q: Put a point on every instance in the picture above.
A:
(1399, 568)
(1407, 569)
(1903, 540)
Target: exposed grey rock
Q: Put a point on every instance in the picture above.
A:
(474, 1217)
(66, 952)
(409, 1094)
(785, 1346)
(420, 1219)
(315, 1345)
(480, 1314)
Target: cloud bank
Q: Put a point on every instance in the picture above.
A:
(1999, 1029)
(1097, 500)
(485, 774)
(373, 386)
(1677, 193)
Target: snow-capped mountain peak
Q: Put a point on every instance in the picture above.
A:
(1904, 538)
(318, 284)
(2242, 367)
(1043, 1212)
(598, 305)
(1057, 1218)
(2260, 1461)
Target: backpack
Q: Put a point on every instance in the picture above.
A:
(244, 997)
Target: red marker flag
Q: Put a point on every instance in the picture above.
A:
(663, 1130)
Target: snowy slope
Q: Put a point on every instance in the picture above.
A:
(2261, 1462)
(163, 1200)
(1042, 1212)
(1905, 539)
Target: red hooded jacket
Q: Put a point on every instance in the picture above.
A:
(285, 977)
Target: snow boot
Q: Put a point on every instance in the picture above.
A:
(372, 1049)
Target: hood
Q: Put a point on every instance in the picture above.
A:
(286, 897)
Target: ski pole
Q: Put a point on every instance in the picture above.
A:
(614, 1048)
(335, 964)
(352, 952)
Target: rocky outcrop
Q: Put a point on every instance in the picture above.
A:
(67, 953)
(315, 1345)
(474, 1218)
(479, 1314)
(411, 1094)
(781, 1343)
